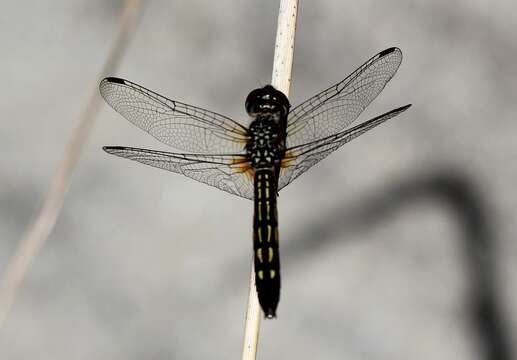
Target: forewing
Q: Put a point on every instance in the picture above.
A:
(179, 125)
(230, 173)
(337, 107)
(300, 158)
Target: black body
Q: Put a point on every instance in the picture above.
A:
(265, 150)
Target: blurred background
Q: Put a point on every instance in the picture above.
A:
(401, 245)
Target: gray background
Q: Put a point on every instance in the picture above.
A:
(144, 264)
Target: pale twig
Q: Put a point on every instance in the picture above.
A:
(39, 230)
(281, 80)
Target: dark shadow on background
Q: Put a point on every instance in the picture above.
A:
(457, 193)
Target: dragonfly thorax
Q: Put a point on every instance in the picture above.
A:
(266, 144)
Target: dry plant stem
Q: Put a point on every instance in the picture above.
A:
(284, 46)
(281, 80)
(43, 223)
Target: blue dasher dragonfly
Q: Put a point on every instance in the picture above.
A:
(257, 161)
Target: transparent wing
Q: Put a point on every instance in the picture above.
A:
(336, 108)
(300, 158)
(179, 125)
(230, 173)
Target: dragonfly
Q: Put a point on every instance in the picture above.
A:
(256, 161)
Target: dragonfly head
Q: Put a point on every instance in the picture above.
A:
(267, 100)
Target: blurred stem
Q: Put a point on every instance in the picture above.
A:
(281, 80)
(38, 231)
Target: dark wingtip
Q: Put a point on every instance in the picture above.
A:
(401, 109)
(109, 149)
(110, 80)
(388, 51)
(116, 80)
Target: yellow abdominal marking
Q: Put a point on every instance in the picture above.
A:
(267, 209)
(272, 274)
(267, 192)
(268, 233)
(259, 233)
(270, 258)
(259, 195)
(260, 274)
(260, 211)
(259, 255)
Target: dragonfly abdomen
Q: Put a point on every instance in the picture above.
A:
(265, 241)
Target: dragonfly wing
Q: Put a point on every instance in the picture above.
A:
(337, 107)
(179, 125)
(300, 158)
(230, 173)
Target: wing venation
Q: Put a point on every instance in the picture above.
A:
(335, 108)
(174, 123)
(301, 158)
(230, 173)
